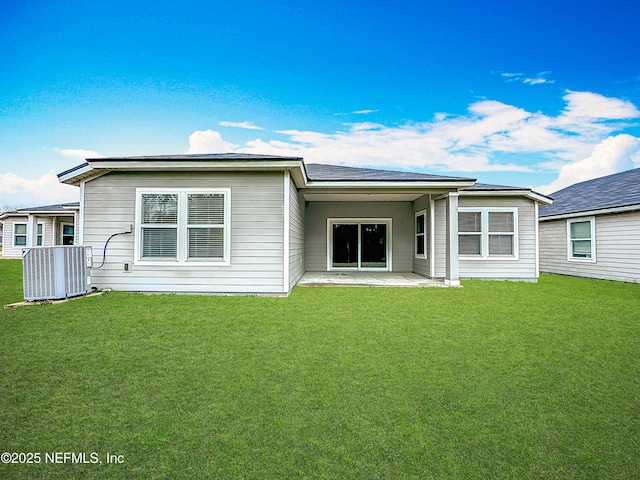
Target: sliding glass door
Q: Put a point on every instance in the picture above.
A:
(359, 245)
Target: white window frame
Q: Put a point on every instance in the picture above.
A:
(39, 235)
(420, 237)
(484, 233)
(25, 235)
(62, 234)
(182, 228)
(592, 239)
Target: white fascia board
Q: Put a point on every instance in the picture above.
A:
(408, 184)
(75, 177)
(192, 165)
(589, 213)
(40, 213)
(43, 213)
(508, 193)
(299, 176)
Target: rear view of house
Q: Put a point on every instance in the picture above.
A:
(593, 229)
(254, 224)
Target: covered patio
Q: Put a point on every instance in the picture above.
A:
(368, 279)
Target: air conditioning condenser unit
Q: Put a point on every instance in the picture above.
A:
(53, 273)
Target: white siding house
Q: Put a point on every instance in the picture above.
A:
(254, 224)
(38, 227)
(593, 229)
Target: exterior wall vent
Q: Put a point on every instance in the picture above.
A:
(52, 273)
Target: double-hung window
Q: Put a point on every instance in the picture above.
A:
(580, 236)
(178, 226)
(501, 233)
(20, 235)
(421, 234)
(469, 233)
(488, 233)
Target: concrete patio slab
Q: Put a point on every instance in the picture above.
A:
(368, 279)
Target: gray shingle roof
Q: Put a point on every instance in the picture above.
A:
(61, 207)
(327, 173)
(484, 187)
(51, 208)
(613, 191)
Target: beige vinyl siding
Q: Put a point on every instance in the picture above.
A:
(422, 266)
(617, 248)
(296, 235)
(400, 213)
(522, 268)
(8, 249)
(256, 222)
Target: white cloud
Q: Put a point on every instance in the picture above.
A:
(245, 125)
(537, 79)
(46, 190)
(419, 146)
(209, 141)
(491, 136)
(588, 105)
(612, 155)
(464, 142)
(364, 112)
(78, 153)
(511, 76)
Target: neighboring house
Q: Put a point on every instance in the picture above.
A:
(593, 229)
(38, 226)
(254, 224)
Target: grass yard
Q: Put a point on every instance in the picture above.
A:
(493, 380)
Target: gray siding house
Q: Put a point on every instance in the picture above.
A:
(38, 226)
(254, 224)
(593, 229)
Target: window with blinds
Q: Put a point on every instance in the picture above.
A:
(581, 242)
(470, 233)
(487, 232)
(205, 225)
(501, 233)
(179, 226)
(159, 225)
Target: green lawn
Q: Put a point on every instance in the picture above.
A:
(493, 380)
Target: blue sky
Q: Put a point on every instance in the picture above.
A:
(540, 94)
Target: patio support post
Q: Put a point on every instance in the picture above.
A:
(452, 277)
(32, 231)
